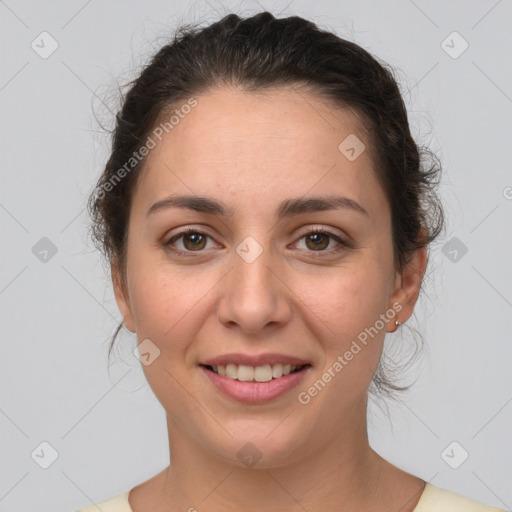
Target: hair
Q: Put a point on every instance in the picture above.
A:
(258, 54)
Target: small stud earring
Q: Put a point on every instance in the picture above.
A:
(397, 325)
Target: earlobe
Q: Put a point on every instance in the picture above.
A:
(122, 298)
(408, 284)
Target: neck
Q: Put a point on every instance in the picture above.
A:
(341, 473)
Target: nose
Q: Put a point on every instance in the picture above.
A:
(255, 296)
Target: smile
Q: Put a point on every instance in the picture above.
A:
(246, 373)
(254, 384)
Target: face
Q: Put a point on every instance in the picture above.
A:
(256, 279)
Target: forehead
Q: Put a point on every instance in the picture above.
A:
(245, 146)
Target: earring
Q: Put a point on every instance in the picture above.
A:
(397, 325)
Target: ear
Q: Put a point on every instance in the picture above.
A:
(122, 297)
(408, 283)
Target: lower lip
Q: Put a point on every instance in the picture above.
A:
(256, 392)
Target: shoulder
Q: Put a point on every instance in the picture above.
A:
(118, 504)
(436, 499)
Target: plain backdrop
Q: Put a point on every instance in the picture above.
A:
(98, 428)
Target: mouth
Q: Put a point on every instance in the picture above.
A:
(254, 384)
(263, 373)
(255, 378)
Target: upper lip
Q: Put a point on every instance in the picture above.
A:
(258, 360)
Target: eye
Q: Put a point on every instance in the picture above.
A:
(193, 241)
(317, 240)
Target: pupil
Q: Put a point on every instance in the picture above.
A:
(316, 238)
(194, 239)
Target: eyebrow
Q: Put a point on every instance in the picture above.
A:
(287, 208)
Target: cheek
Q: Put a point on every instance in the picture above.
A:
(347, 311)
(353, 336)
(349, 299)
(163, 303)
(170, 308)
(166, 312)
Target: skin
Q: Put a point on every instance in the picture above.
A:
(251, 151)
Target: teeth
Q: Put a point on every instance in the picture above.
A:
(259, 373)
(277, 370)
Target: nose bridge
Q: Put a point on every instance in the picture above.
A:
(252, 266)
(254, 296)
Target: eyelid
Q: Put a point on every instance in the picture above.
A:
(342, 240)
(187, 228)
(304, 231)
(185, 231)
(318, 228)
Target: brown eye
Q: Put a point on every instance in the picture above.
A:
(319, 241)
(191, 241)
(194, 241)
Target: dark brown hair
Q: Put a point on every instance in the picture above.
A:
(257, 54)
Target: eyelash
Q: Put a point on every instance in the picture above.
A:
(315, 254)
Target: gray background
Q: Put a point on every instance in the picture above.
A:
(58, 311)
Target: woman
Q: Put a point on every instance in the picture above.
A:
(267, 217)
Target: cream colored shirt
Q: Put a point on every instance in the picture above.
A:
(433, 499)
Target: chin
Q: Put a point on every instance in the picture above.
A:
(258, 450)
